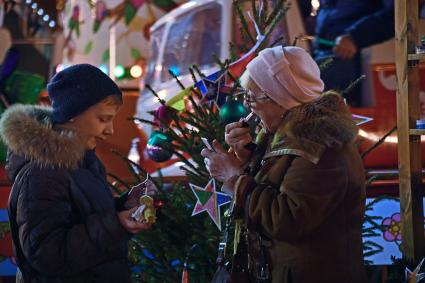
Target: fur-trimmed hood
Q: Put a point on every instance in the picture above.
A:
(28, 132)
(307, 130)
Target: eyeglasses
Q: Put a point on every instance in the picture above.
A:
(250, 98)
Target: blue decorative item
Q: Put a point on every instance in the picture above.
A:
(155, 148)
(213, 87)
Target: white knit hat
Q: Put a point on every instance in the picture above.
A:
(287, 74)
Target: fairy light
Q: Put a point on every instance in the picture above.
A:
(41, 13)
(119, 71)
(136, 71)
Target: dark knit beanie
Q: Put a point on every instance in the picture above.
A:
(77, 88)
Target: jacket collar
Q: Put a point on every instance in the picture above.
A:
(28, 131)
(309, 129)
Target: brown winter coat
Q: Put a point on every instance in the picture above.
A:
(307, 196)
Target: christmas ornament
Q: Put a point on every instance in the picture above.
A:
(232, 111)
(147, 187)
(218, 85)
(141, 196)
(213, 87)
(154, 147)
(146, 212)
(209, 200)
(164, 115)
(361, 119)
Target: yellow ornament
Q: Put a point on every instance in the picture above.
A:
(149, 213)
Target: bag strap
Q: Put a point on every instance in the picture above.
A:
(222, 245)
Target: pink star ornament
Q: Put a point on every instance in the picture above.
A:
(209, 200)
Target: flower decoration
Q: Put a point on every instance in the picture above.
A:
(74, 23)
(101, 11)
(137, 3)
(392, 226)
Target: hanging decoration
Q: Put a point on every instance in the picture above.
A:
(163, 116)
(218, 85)
(209, 200)
(232, 111)
(155, 147)
(361, 119)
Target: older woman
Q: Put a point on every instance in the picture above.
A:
(301, 193)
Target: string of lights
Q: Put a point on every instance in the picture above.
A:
(41, 13)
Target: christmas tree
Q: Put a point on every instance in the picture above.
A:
(179, 242)
(177, 239)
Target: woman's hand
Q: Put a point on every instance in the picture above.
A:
(129, 223)
(345, 47)
(237, 136)
(221, 164)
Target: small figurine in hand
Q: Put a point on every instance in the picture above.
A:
(141, 196)
(146, 212)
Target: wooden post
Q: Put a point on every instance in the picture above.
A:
(409, 150)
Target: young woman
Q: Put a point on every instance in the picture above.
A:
(301, 193)
(66, 226)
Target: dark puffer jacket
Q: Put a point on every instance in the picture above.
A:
(367, 21)
(63, 216)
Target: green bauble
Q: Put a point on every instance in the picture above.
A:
(154, 147)
(232, 111)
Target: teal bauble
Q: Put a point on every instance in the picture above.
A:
(232, 111)
(154, 147)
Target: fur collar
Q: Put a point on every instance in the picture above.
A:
(27, 131)
(307, 130)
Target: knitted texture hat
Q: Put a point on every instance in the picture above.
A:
(287, 74)
(77, 88)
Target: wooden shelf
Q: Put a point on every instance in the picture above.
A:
(414, 132)
(416, 57)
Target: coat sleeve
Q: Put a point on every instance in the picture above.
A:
(308, 194)
(51, 240)
(374, 28)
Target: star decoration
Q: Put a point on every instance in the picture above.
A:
(217, 86)
(414, 276)
(209, 200)
(361, 119)
(213, 87)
